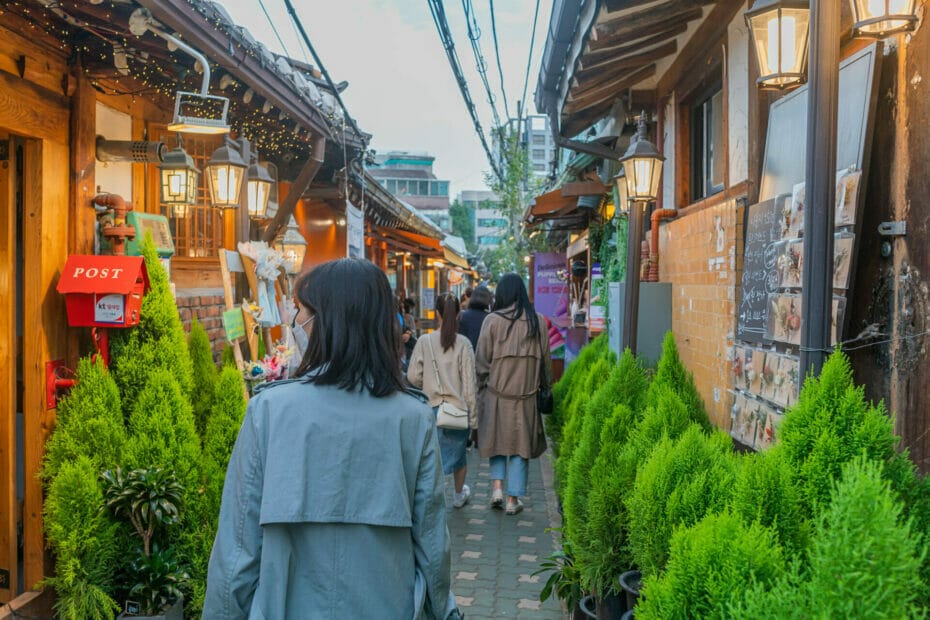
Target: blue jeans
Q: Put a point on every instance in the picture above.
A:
(516, 481)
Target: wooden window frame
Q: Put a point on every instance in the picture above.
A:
(696, 86)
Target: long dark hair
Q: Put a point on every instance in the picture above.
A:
(448, 308)
(480, 299)
(355, 339)
(511, 291)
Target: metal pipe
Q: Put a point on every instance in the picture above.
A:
(142, 20)
(820, 188)
(137, 151)
(658, 214)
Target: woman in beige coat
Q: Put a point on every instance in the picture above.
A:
(443, 366)
(513, 351)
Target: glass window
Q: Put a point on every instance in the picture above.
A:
(539, 123)
(707, 145)
(401, 188)
(539, 167)
(392, 186)
(443, 188)
(424, 188)
(539, 153)
(539, 140)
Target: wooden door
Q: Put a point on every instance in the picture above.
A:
(10, 394)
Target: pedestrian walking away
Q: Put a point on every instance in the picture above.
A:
(473, 316)
(333, 503)
(443, 366)
(513, 360)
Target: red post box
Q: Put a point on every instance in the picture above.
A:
(103, 291)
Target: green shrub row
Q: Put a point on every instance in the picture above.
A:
(831, 511)
(160, 410)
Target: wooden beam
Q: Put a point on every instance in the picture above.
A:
(605, 56)
(8, 396)
(584, 119)
(298, 187)
(706, 39)
(45, 248)
(583, 188)
(83, 162)
(32, 110)
(608, 91)
(590, 78)
(645, 23)
(624, 5)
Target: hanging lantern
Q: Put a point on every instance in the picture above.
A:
(293, 247)
(224, 175)
(620, 195)
(877, 19)
(178, 180)
(258, 185)
(642, 166)
(779, 30)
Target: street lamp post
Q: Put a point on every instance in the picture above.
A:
(642, 168)
(820, 184)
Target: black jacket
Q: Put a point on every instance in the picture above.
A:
(470, 322)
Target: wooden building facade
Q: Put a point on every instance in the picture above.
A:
(692, 68)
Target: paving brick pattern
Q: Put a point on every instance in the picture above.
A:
(495, 555)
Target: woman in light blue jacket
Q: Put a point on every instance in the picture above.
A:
(333, 504)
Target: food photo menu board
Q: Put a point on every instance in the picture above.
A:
(766, 373)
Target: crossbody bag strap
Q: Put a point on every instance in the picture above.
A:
(432, 354)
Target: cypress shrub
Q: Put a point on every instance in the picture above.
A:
(571, 433)
(766, 493)
(158, 342)
(162, 432)
(710, 565)
(829, 426)
(863, 561)
(563, 392)
(625, 385)
(228, 357)
(78, 528)
(89, 423)
(627, 440)
(672, 373)
(680, 482)
(202, 513)
(203, 380)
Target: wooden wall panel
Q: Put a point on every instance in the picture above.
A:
(31, 110)
(45, 247)
(8, 507)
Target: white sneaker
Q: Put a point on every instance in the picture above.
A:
(460, 499)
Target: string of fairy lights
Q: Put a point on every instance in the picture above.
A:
(119, 63)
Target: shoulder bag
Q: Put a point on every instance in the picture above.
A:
(448, 416)
(544, 402)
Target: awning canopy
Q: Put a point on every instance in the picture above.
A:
(455, 251)
(570, 203)
(408, 241)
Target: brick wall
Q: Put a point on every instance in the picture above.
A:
(701, 254)
(207, 306)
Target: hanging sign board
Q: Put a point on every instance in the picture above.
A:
(355, 231)
(233, 324)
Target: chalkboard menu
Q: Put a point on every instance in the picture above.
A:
(764, 225)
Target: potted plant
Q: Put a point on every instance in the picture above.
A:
(150, 500)
(564, 580)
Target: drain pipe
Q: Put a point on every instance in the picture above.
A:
(659, 213)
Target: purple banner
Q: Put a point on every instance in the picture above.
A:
(550, 296)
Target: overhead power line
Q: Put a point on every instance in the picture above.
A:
(274, 28)
(474, 36)
(529, 60)
(445, 37)
(319, 63)
(497, 54)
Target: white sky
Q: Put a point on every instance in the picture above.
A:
(401, 87)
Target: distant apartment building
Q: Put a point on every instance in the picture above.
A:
(409, 176)
(536, 135)
(490, 224)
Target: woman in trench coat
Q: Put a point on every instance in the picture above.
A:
(512, 360)
(333, 503)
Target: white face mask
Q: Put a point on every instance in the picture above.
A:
(301, 341)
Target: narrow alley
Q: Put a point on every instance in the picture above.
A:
(495, 555)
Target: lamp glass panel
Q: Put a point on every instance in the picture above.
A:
(780, 37)
(867, 10)
(225, 183)
(622, 193)
(642, 178)
(259, 191)
(178, 185)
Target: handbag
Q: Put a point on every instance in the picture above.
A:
(544, 402)
(448, 416)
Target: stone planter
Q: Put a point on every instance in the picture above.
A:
(630, 581)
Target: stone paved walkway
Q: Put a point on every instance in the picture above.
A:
(494, 555)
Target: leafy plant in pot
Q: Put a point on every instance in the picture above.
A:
(150, 500)
(564, 580)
